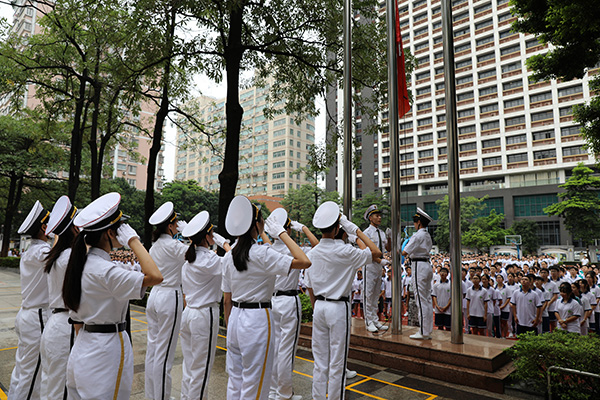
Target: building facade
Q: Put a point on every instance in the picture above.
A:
(517, 138)
(271, 151)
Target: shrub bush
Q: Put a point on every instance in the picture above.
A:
(534, 354)
(307, 310)
(9, 262)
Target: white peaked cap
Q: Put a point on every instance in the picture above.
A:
(61, 216)
(37, 214)
(163, 213)
(326, 215)
(423, 214)
(100, 213)
(240, 216)
(197, 224)
(279, 215)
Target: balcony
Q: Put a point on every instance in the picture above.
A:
(575, 158)
(538, 182)
(490, 186)
(520, 164)
(543, 142)
(544, 161)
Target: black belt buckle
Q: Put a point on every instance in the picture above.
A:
(286, 293)
(107, 328)
(266, 304)
(323, 298)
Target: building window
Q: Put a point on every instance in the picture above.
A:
(512, 85)
(132, 170)
(570, 130)
(549, 134)
(514, 121)
(442, 151)
(513, 158)
(426, 137)
(466, 113)
(511, 67)
(488, 90)
(496, 204)
(573, 151)
(121, 167)
(492, 161)
(542, 116)
(279, 175)
(514, 103)
(530, 206)
(490, 125)
(432, 210)
(468, 146)
(279, 164)
(426, 153)
(485, 57)
(468, 164)
(490, 143)
(279, 143)
(280, 153)
(466, 129)
(540, 97)
(443, 167)
(278, 186)
(465, 96)
(441, 134)
(407, 172)
(429, 169)
(570, 90)
(487, 74)
(548, 233)
(543, 154)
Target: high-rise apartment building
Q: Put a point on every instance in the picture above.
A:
(517, 138)
(271, 151)
(128, 162)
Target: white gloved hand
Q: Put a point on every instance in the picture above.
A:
(352, 239)
(388, 232)
(348, 226)
(181, 226)
(273, 228)
(125, 233)
(297, 226)
(219, 240)
(385, 261)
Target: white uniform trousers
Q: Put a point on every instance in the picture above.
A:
(422, 276)
(57, 341)
(372, 282)
(330, 338)
(199, 329)
(163, 313)
(287, 314)
(100, 366)
(249, 353)
(25, 381)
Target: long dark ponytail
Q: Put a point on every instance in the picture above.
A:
(65, 241)
(241, 251)
(190, 254)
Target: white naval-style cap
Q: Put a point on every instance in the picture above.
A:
(61, 216)
(421, 213)
(198, 224)
(281, 217)
(373, 209)
(164, 213)
(100, 213)
(34, 220)
(327, 214)
(241, 214)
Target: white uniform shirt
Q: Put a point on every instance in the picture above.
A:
(334, 264)
(568, 309)
(169, 256)
(477, 298)
(256, 284)
(357, 288)
(526, 304)
(419, 244)
(503, 294)
(551, 288)
(290, 280)
(34, 281)
(442, 292)
(379, 240)
(106, 289)
(585, 304)
(56, 278)
(387, 283)
(201, 281)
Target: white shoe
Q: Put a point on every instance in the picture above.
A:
(295, 397)
(406, 314)
(418, 336)
(511, 336)
(371, 327)
(350, 374)
(381, 327)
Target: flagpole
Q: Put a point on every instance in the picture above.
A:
(394, 164)
(456, 336)
(348, 109)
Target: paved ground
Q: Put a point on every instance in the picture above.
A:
(372, 382)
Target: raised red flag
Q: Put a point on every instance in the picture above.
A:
(403, 102)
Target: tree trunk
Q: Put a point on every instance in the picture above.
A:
(96, 160)
(234, 112)
(12, 205)
(77, 141)
(161, 116)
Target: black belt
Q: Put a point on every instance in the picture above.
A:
(420, 259)
(108, 328)
(322, 298)
(266, 304)
(59, 310)
(286, 293)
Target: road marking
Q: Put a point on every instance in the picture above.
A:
(3, 396)
(9, 348)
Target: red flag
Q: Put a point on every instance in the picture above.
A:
(403, 103)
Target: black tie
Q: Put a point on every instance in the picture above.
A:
(379, 236)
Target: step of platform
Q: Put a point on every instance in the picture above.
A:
(479, 363)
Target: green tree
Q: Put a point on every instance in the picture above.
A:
(573, 29)
(579, 204)
(484, 232)
(470, 207)
(132, 201)
(359, 207)
(31, 153)
(302, 203)
(189, 199)
(528, 231)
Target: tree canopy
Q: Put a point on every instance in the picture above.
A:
(528, 230)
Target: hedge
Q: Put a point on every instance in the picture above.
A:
(9, 262)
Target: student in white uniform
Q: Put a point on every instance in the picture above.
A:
(98, 290)
(526, 306)
(334, 264)
(568, 310)
(418, 249)
(248, 282)
(31, 318)
(442, 299)
(59, 335)
(202, 275)
(165, 303)
(287, 312)
(372, 271)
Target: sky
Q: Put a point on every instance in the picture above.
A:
(207, 88)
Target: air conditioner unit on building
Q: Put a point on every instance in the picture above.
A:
(248, 185)
(254, 185)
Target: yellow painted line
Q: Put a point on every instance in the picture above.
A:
(303, 374)
(3, 395)
(139, 330)
(358, 383)
(9, 308)
(9, 348)
(221, 348)
(139, 320)
(366, 394)
(402, 387)
(139, 312)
